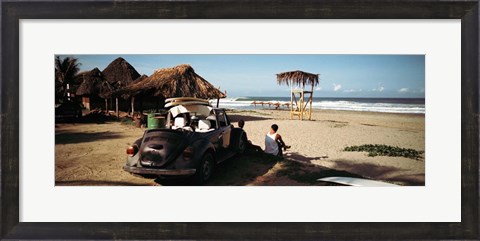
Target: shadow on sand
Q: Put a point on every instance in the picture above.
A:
(95, 183)
(248, 169)
(236, 171)
(297, 156)
(348, 168)
(385, 173)
(81, 137)
(96, 118)
(236, 117)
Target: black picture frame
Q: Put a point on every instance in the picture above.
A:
(13, 11)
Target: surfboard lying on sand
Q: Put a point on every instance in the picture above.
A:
(182, 99)
(171, 104)
(356, 182)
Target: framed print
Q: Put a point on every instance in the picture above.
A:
(48, 185)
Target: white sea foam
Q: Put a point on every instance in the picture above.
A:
(246, 103)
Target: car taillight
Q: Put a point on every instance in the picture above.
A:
(188, 153)
(132, 150)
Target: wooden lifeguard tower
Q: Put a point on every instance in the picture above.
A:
(301, 99)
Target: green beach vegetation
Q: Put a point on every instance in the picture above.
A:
(384, 150)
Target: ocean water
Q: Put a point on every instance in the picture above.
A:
(386, 105)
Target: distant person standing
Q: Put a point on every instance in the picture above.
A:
(274, 142)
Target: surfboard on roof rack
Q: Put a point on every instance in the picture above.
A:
(177, 103)
(184, 99)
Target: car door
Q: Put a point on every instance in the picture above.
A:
(225, 131)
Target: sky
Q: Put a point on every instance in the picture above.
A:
(355, 76)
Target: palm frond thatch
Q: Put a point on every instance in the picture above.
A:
(94, 84)
(179, 81)
(125, 92)
(119, 73)
(140, 78)
(297, 77)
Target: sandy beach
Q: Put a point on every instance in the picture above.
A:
(331, 131)
(93, 153)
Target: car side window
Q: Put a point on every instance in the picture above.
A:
(227, 119)
(221, 119)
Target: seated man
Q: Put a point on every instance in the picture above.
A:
(241, 124)
(274, 142)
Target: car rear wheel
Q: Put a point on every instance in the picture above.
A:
(148, 176)
(205, 169)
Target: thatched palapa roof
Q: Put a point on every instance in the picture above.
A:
(124, 92)
(93, 84)
(141, 78)
(119, 73)
(179, 81)
(297, 77)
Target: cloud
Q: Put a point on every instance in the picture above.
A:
(403, 90)
(380, 89)
(336, 87)
(318, 88)
(352, 91)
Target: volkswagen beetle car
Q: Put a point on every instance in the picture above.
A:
(196, 138)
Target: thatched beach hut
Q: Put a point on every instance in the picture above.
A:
(179, 81)
(119, 73)
(92, 88)
(301, 79)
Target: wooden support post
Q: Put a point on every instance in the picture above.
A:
(301, 105)
(116, 106)
(291, 105)
(296, 110)
(106, 105)
(311, 101)
(132, 103)
(291, 99)
(303, 99)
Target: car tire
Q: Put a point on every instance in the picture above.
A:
(205, 169)
(148, 176)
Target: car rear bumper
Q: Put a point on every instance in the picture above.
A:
(160, 172)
